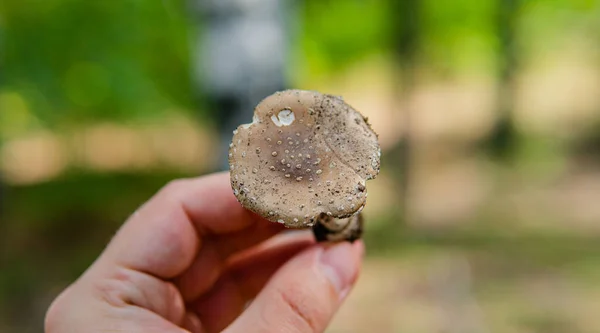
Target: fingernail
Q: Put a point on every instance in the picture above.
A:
(339, 266)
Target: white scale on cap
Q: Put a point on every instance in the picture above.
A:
(284, 118)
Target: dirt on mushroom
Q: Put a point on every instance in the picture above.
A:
(305, 155)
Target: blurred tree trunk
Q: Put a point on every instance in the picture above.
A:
(2, 185)
(503, 139)
(240, 58)
(405, 42)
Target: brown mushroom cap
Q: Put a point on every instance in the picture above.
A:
(305, 154)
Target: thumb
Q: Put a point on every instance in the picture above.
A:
(305, 293)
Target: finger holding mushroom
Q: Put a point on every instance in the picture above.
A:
(305, 158)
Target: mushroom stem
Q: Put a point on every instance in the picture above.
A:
(333, 229)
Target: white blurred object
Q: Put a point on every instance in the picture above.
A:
(240, 56)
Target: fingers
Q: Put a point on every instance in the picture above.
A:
(252, 270)
(162, 238)
(211, 260)
(125, 287)
(244, 278)
(305, 293)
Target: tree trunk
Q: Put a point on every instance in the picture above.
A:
(503, 138)
(405, 34)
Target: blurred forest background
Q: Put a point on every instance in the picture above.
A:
(486, 215)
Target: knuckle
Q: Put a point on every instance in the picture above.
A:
(304, 308)
(114, 289)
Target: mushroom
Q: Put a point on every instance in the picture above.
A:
(304, 161)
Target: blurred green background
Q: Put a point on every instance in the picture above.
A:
(486, 215)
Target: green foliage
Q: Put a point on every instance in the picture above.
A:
(74, 61)
(336, 33)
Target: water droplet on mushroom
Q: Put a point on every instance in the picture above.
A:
(332, 165)
(280, 221)
(300, 155)
(255, 170)
(288, 165)
(231, 145)
(235, 132)
(287, 151)
(283, 161)
(272, 168)
(298, 166)
(271, 213)
(268, 139)
(243, 154)
(318, 172)
(274, 154)
(319, 203)
(236, 192)
(287, 175)
(230, 155)
(305, 140)
(298, 178)
(278, 142)
(308, 156)
(307, 170)
(329, 214)
(328, 183)
(292, 157)
(258, 150)
(295, 220)
(231, 166)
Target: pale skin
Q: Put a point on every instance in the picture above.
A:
(193, 260)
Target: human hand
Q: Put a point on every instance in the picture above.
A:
(191, 259)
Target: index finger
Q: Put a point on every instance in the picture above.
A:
(164, 235)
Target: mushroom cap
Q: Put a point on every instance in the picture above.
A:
(305, 154)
